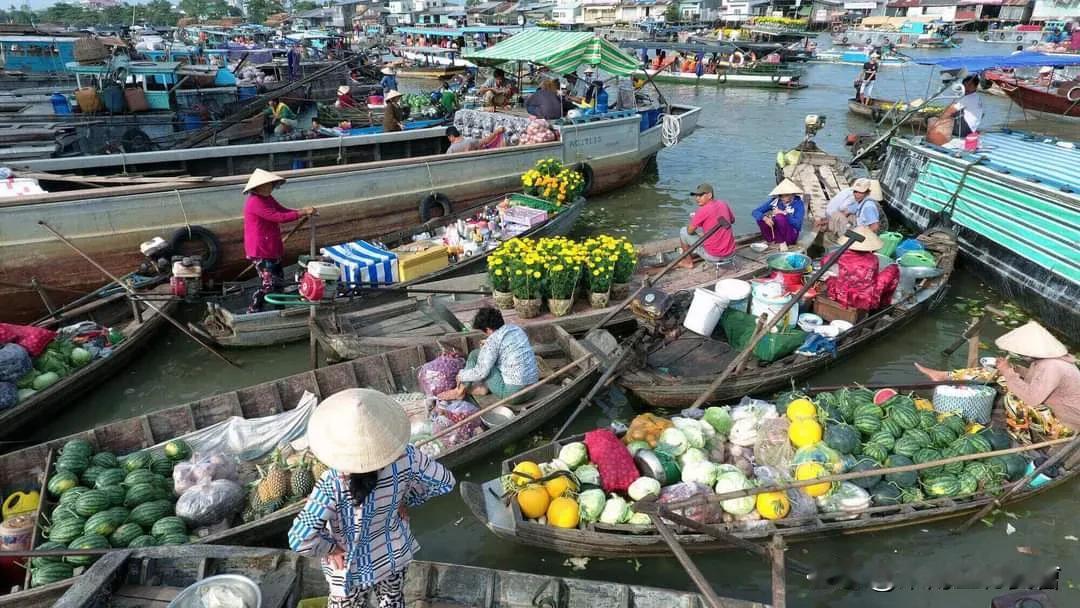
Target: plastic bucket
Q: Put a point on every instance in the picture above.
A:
(889, 241)
(705, 311)
(736, 291)
(16, 531)
(246, 92)
(191, 121)
(769, 305)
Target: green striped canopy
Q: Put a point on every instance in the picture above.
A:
(562, 52)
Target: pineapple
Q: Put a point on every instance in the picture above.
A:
(302, 481)
(318, 468)
(275, 485)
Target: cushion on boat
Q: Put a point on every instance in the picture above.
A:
(362, 262)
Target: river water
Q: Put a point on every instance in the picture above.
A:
(733, 148)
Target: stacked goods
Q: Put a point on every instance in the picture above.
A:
(731, 449)
(103, 502)
(281, 482)
(66, 352)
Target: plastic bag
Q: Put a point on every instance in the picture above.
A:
(616, 466)
(738, 327)
(448, 413)
(706, 513)
(773, 447)
(647, 427)
(779, 345)
(184, 478)
(207, 503)
(217, 465)
(440, 374)
(802, 504)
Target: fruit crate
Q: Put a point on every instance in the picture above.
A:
(830, 310)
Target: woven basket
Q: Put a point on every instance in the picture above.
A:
(90, 50)
(972, 402)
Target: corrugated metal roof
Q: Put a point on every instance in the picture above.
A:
(1033, 157)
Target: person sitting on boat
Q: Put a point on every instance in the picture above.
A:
(575, 89)
(545, 102)
(1049, 385)
(460, 143)
(868, 76)
(858, 283)
(344, 97)
(356, 518)
(393, 114)
(969, 107)
(851, 207)
(389, 80)
(710, 212)
(502, 366)
(780, 218)
(496, 90)
(262, 236)
(318, 130)
(280, 116)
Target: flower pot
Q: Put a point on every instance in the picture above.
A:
(560, 308)
(504, 300)
(620, 291)
(527, 309)
(599, 300)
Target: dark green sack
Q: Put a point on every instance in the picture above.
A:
(779, 345)
(738, 327)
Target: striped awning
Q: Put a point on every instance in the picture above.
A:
(560, 51)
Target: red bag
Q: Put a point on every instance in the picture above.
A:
(33, 339)
(613, 460)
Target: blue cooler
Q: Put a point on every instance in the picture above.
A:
(60, 104)
(362, 262)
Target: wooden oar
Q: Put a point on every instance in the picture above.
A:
(737, 362)
(703, 585)
(1061, 454)
(284, 240)
(559, 372)
(133, 294)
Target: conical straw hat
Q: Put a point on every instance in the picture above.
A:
(358, 430)
(786, 187)
(260, 177)
(870, 241)
(1032, 340)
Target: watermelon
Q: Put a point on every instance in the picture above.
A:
(941, 435)
(118, 515)
(65, 531)
(865, 464)
(927, 420)
(883, 395)
(91, 502)
(968, 484)
(126, 533)
(50, 573)
(884, 439)
(885, 493)
(141, 493)
(100, 523)
(892, 426)
(949, 452)
(907, 446)
(73, 463)
(998, 439)
(868, 424)
(904, 480)
(843, 438)
(149, 512)
(875, 451)
(140, 476)
(115, 494)
(105, 460)
(1013, 465)
(72, 494)
(904, 415)
(912, 494)
(861, 395)
(927, 455)
(953, 421)
(77, 447)
(89, 541)
(109, 477)
(868, 409)
(62, 481)
(37, 562)
(174, 538)
(161, 465)
(979, 470)
(168, 525)
(142, 541)
(919, 436)
(942, 485)
(979, 443)
(90, 475)
(830, 413)
(62, 512)
(135, 460)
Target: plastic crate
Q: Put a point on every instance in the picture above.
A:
(525, 216)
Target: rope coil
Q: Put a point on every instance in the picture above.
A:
(672, 128)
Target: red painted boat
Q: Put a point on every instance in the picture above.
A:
(1061, 99)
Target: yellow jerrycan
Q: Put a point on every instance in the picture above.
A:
(21, 502)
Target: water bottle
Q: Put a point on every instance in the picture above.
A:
(601, 101)
(971, 142)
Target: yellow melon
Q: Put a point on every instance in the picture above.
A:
(533, 501)
(563, 512)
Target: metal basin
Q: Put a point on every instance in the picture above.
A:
(226, 586)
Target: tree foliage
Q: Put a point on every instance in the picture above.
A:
(259, 10)
(154, 12)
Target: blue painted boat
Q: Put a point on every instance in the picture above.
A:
(1015, 205)
(36, 54)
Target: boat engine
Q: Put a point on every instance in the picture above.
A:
(156, 252)
(319, 281)
(655, 311)
(186, 276)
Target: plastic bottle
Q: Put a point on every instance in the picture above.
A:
(971, 142)
(601, 101)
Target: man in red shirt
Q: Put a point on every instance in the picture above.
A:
(710, 212)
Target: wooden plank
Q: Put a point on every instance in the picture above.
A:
(89, 584)
(260, 400)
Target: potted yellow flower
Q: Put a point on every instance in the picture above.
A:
(625, 264)
(527, 283)
(499, 278)
(563, 271)
(599, 269)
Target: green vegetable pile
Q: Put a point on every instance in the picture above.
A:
(60, 359)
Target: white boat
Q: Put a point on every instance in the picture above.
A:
(857, 56)
(779, 78)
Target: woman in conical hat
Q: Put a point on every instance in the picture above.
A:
(355, 518)
(262, 234)
(781, 217)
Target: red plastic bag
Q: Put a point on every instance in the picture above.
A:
(33, 339)
(617, 468)
(440, 374)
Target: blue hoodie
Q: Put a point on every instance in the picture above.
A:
(795, 218)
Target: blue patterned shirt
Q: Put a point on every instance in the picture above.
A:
(377, 541)
(509, 348)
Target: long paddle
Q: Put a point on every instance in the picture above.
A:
(559, 372)
(133, 294)
(737, 362)
(707, 591)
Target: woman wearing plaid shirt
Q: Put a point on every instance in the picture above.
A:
(356, 518)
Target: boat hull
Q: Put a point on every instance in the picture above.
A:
(878, 109)
(1041, 100)
(735, 78)
(1019, 235)
(355, 201)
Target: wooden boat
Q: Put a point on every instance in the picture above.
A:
(229, 324)
(1062, 100)
(877, 109)
(137, 322)
(677, 373)
(151, 578)
(398, 170)
(779, 78)
(623, 540)
(391, 372)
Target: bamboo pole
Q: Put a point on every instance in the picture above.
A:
(313, 342)
(737, 362)
(132, 293)
(625, 349)
(779, 584)
(707, 591)
(562, 370)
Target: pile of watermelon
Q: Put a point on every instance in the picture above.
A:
(872, 430)
(102, 502)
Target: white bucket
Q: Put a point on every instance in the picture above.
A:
(705, 311)
(735, 291)
(769, 306)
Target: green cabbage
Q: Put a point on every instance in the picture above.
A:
(616, 510)
(692, 455)
(673, 441)
(25, 393)
(27, 379)
(642, 487)
(720, 419)
(80, 356)
(588, 474)
(45, 380)
(694, 437)
(702, 471)
(574, 454)
(733, 481)
(639, 519)
(591, 504)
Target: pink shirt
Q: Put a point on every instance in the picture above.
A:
(262, 237)
(1051, 382)
(722, 243)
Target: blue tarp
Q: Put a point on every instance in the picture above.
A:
(991, 62)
